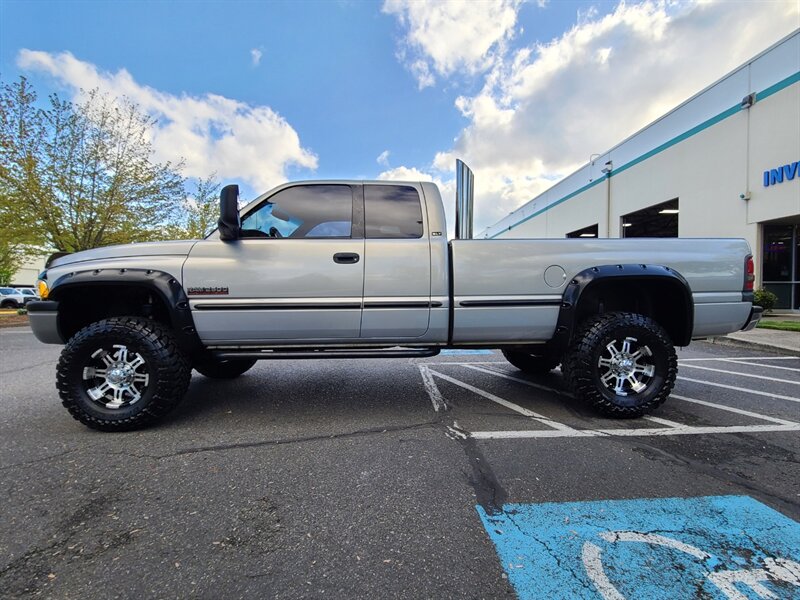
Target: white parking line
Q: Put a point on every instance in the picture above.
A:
(742, 374)
(733, 409)
(667, 422)
(561, 392)
(740, 389)
(736, 361)
(635, 432)
(560, 430)
(433, 390)
(510, 405)
(741, 358)
(538, 386)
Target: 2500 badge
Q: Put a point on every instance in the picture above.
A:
(207, 291)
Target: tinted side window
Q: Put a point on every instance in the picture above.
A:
(303, 211)
(392, 211)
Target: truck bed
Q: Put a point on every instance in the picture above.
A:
(499, 284)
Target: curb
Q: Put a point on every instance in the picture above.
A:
(737, 343)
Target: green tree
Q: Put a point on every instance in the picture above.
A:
(201, 211)
(11, 258)
(79, 176)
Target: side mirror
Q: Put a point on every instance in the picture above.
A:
(229, 223)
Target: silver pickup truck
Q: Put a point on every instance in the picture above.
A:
(354, 269)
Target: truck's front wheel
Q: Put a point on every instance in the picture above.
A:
(122, 373)
(621, 363)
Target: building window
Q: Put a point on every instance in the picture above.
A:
(586, 232)
(660, 220)
(780, 265)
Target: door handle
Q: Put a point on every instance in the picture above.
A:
(346, 258)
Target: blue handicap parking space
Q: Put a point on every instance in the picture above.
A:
(726, 547)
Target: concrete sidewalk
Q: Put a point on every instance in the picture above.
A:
(766, 339)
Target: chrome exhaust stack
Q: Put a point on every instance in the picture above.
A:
(465, 182)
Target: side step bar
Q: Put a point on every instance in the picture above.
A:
(334, 353)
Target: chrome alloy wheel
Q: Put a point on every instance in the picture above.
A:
(628, 369)
(117, 378)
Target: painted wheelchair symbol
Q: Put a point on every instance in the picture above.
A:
(775, 569)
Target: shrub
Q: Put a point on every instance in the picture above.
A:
(765, 299)
(22, 311)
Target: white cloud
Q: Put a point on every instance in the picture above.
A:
(255, 56)
(544, 109)
(406, 174)
(383, 158)
(212, 133)
(457, 35)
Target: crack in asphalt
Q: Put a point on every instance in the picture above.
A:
(223, 447)
(26, 574)
(489, 492)
(313, 438)
(46, 458)
(41, 364)
(719, 474)
(577, 575)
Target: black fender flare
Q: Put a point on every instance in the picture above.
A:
(568, 313)
(163, 284)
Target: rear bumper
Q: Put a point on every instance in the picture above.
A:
(43, 316)
(754, 318)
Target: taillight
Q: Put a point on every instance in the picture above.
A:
(749, 273)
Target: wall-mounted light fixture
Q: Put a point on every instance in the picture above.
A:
(748, 100)
(607, 168)
(669, 211)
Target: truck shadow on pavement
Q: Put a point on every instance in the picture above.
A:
(371, 393)
(308, 392)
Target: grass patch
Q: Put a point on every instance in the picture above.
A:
(781, 325)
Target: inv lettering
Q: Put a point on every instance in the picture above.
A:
(781, 174)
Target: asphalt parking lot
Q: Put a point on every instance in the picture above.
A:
(455, 476)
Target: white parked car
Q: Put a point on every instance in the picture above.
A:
(14, 298)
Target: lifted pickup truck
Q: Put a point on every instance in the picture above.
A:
(352, 269)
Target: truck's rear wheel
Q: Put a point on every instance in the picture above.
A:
(623, 364)
(535, 364)
(223, 369)
(122, 373)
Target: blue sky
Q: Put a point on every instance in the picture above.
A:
(338, 83)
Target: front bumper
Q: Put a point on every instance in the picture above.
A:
(43, 316)
(755, 316)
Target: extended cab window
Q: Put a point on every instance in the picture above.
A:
(303, 211)
(392, 211)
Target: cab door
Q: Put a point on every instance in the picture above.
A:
(297, 273)
(397, 263)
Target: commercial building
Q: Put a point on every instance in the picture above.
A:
(725, 163)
